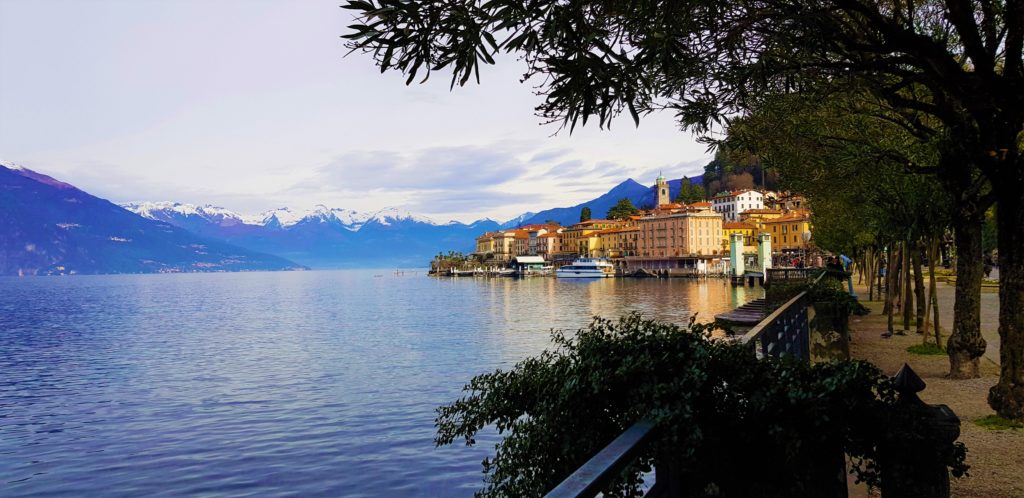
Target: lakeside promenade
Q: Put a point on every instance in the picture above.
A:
(996, 457)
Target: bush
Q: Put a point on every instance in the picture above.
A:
(714, 402)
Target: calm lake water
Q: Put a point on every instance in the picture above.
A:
(301, 384)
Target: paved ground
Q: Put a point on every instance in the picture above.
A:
(996, 457)
(989, 314)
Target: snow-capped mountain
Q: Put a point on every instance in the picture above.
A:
(283, 217)
(167, 210)
(51, 227)
(323, 236)
(518, 220)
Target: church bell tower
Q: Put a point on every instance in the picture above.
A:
(662, 186)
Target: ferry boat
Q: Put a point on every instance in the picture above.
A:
(586, 268)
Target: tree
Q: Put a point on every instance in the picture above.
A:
(584, 214)
(851, 167)
(622, 210)
(688, 192)
(949, 72)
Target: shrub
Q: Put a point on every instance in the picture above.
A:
(714, 402)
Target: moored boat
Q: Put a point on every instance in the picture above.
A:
(586, 268)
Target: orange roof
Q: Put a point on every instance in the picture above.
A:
(762, 211)
(549, 235)
(791, 216)
(619, 230)
(701, 204)
(737, 225)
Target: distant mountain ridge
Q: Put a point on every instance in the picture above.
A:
(640, 195)
(51, 227)
(323, 237)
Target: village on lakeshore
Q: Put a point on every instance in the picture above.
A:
(671, 239)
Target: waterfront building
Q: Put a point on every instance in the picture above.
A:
(577, 240)
(757, 217)
(485, 244)
(535, 232)
(617, 242)
(549, 244)
(504, 245)
(521, 243)
(788, 230)
(749, 232)
(731, 204)
(686, 231)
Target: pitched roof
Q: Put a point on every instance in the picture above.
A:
(737, 225)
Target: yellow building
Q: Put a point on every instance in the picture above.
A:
(749, 232)
(577, 239)
(504, 244)
(549, 244)
(788, 230)
(758, 217)
(617, 242)
(485, 244)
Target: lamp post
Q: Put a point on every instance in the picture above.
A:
(806, 235)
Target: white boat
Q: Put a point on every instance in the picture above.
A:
(586, 268)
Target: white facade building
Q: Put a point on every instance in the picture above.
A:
(731, 204)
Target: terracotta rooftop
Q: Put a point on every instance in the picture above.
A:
(737, 225)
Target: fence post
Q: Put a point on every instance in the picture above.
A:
(914, 465)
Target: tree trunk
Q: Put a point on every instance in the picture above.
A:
(889, 290)
(965, 345)
(933, 300)
(1007, 397)
(869, 263)
(919, 302)
(908, 290)
(890, 268)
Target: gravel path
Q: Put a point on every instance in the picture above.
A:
(996, 457)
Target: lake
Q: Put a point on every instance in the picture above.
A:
(318, 383)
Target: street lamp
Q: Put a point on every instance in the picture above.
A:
(806, 235)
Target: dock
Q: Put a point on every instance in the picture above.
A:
(744, 317)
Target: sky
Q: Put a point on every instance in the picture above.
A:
(253, 105)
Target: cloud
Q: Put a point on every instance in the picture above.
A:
(468, 166)
(467, 201)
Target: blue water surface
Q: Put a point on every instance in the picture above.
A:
(274, 384)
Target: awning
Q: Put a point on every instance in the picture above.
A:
(528, 260)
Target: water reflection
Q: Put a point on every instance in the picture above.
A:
(306, 383)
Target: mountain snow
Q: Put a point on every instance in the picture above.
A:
(161, 209)
(281, 217)
(518, 220)
(390, 215)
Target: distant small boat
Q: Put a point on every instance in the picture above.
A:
(586, 268)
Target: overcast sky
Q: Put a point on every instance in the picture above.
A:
(252, 105)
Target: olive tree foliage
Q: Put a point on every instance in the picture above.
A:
(948, 72)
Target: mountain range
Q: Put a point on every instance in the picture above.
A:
(92, 235)
(50, 227)
(324, 237)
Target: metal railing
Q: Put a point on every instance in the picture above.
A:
(594, 475)
(785, 331)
